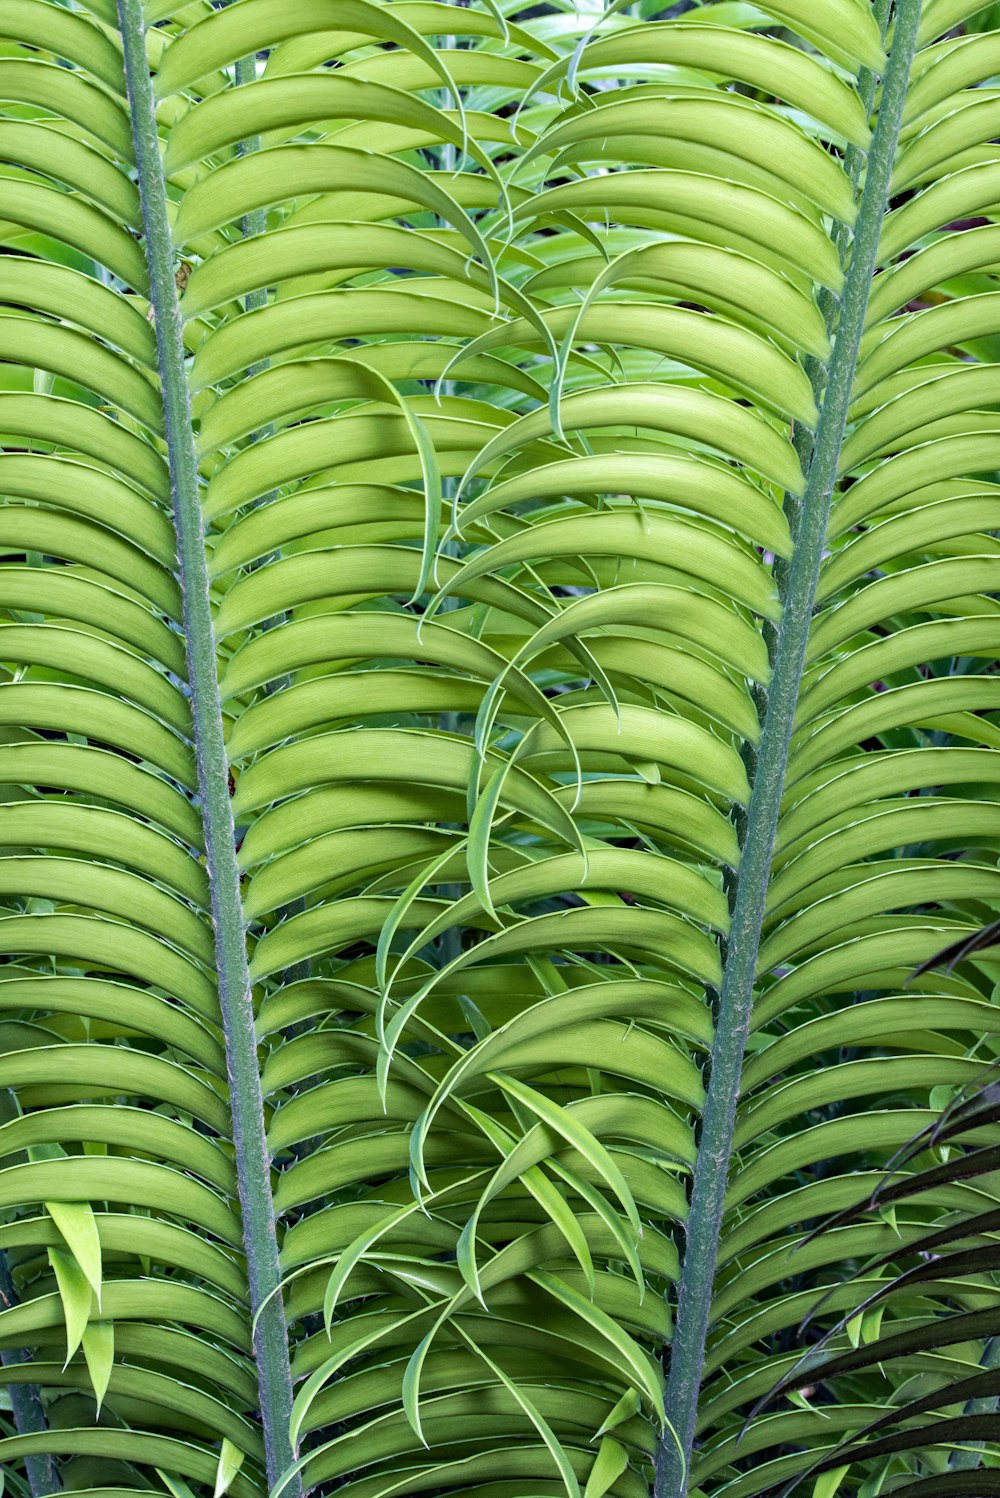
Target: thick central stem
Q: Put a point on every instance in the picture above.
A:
(733, 1019)
(25, 1402)
(253, 1165)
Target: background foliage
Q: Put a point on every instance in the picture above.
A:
(506, 331)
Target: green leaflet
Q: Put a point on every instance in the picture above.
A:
(76, 1223)
(75, 1293)
(743, 55)
(286, 104)
(68, 35)
(98, 1344)
(724, 213)
(221, 39)
(681, 412)
(749, 134)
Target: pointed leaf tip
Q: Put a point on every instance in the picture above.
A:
(231, 1459)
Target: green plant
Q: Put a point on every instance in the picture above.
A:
(498, 531)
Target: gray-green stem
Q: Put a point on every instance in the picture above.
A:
(253, 1164)
(968, 1458)
(25, 1400)
(733, 1016)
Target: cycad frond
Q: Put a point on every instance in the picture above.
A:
(498, 530)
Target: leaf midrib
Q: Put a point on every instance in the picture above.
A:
(270, 1336)
(751, 886)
